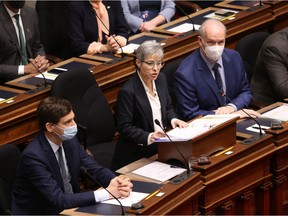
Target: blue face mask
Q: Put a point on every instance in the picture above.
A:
(69, 132)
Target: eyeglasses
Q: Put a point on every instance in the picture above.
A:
(153, 64)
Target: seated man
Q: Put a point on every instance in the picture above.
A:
(49, 169)
(212, 80)
(21, 51)
(270, 79)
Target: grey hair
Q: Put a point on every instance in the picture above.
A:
(202, 29)
(148, 48)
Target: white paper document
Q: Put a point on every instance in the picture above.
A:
(159, 171)
(280, 113)
(128, 49)
(128, 201)
(185, 27)
(255, 128)
(196, 128)
(49, 76)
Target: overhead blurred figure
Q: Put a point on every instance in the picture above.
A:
(21, 50)
(144, 15)
(91, 24)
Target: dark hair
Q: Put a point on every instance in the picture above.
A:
(52, 109)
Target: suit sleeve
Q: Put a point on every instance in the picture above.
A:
(277, 69)
(121, 26)
(167, 9)
(187, 103)
(132, 20)
(240, 91)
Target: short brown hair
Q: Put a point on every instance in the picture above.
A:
(52, 109)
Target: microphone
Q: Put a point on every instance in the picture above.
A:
(191, 20)
(187, 174)
(25, 56)
(122, 53)
(253, 139)
(84, 170)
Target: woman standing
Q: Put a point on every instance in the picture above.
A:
(141, 100)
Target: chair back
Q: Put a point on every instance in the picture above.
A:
(9, 158)
(90, 105)
(248, 48)
(169, 70)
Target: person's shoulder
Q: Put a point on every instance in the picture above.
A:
(190, 60)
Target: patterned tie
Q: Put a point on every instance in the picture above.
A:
(218, 79)
(66, 178)
(21, 39)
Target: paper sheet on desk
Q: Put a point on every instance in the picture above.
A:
(185, 27)
(133, 198)
(49, 76)
(128, 49)
(255, 128)
(159, 171)
(280, 113)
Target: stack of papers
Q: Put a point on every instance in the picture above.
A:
(196, 128)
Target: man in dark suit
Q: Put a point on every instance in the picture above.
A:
(49, 169)
(13, 60)
(198, 90)
(270, 78)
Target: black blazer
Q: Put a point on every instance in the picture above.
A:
(10, 57)
(83, 27)
(135, 120)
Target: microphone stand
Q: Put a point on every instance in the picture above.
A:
(122, 53)
(180, 178)
(189, 18)
(254, 138)
(84, 170)
(41, 87)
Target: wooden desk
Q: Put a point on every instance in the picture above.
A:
(245, 22)
(279, 10)
(238, 183)
(31, 82)
(18, 123)
(178, 199)
(279, 166)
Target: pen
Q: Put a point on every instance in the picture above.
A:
(152, 194)
(7, 100)
(224, 151)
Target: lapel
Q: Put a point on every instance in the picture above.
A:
(142, 99)
(52, 159)
(228, 75)
(8, 25)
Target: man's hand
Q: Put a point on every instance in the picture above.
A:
(120, 187)
(224, 110)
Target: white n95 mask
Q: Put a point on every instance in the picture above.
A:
(214, 52)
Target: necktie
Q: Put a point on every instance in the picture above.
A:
(218, 79)
(64, 173)
(21, 39)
